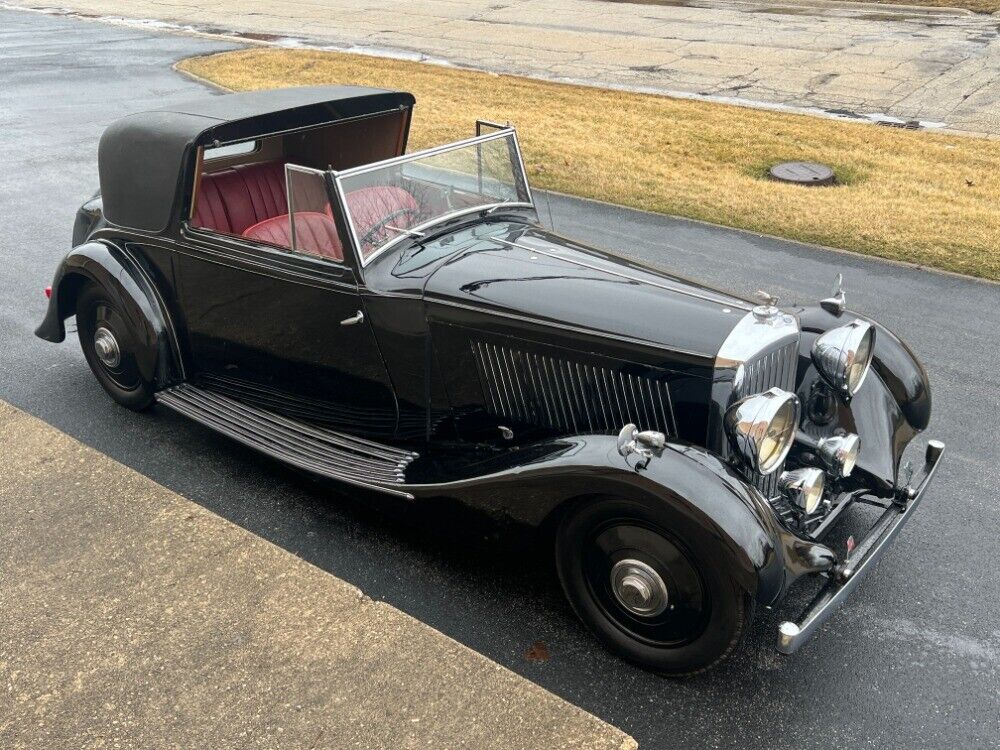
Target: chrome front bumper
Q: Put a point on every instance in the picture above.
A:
(846, 576)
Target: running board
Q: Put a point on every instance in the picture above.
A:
(345, 458)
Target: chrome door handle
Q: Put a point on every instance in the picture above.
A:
(354, 319)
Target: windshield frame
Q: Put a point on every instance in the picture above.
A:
(338, 176)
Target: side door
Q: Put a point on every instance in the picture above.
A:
(275, 317)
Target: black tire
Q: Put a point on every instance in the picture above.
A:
(705, 612)
(97, 310)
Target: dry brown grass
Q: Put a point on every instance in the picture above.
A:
(926, 198)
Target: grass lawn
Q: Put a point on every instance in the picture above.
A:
(926, 198)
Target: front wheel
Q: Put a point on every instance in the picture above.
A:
(109, 345)
(651, 585)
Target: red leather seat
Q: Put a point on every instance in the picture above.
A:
(250, 200)
(370, 206)
(315, 234)
(234, 199)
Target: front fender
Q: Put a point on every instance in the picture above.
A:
(120, 276)
(530, 484)
(891, 408)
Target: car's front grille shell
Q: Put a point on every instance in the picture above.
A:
(771, 369)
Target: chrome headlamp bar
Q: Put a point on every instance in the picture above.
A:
(843, 356)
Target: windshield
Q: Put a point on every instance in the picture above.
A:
(417, 191)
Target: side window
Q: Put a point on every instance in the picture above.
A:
(313, 230)
(278, 204)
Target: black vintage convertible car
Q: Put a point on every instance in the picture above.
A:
(274, 265)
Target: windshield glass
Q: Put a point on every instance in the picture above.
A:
(415, 192)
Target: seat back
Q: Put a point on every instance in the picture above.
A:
(315, 233)
(232, 200)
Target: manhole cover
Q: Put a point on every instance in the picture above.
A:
(803, 173)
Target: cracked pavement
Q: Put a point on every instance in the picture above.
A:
(937, 66)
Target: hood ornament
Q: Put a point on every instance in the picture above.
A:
(767, 310)
(836, 304)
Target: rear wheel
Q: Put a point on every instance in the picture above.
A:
(109, 345)
(652, 586)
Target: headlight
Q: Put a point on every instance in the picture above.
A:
(804, 487)
(840, 453)
(843, 356)
(763, 427)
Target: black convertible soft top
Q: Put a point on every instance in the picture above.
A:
(144, 158)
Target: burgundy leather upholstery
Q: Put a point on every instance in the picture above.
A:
(315, 233)
(371, 205)
(250, 200)
(234, 199)
(266, 185)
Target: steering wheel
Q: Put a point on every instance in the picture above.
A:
(385, 221)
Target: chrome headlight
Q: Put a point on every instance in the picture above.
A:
(762, 428)
(843, 356)
(804, 487)
(840, 453)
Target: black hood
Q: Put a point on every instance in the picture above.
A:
(526, 271)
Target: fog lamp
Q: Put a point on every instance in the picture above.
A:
(804, 487)
(840, 453)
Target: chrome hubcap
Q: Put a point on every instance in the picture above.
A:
(106, 347)
(638, 588)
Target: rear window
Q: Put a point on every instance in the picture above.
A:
(232, 149)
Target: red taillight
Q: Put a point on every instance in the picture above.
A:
(48, 292)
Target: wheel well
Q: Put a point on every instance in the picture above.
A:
(547, 528)
(69, 291)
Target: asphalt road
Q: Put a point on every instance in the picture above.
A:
(912, 661)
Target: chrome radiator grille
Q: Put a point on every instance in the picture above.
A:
(570, 396)
(773, 369)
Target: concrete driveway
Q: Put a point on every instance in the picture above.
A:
(912, 661)
(856, 60)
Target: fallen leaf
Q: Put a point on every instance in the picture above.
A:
(538, 652)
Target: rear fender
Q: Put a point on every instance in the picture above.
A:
(120, 275)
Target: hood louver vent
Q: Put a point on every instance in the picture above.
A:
(570, 397)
